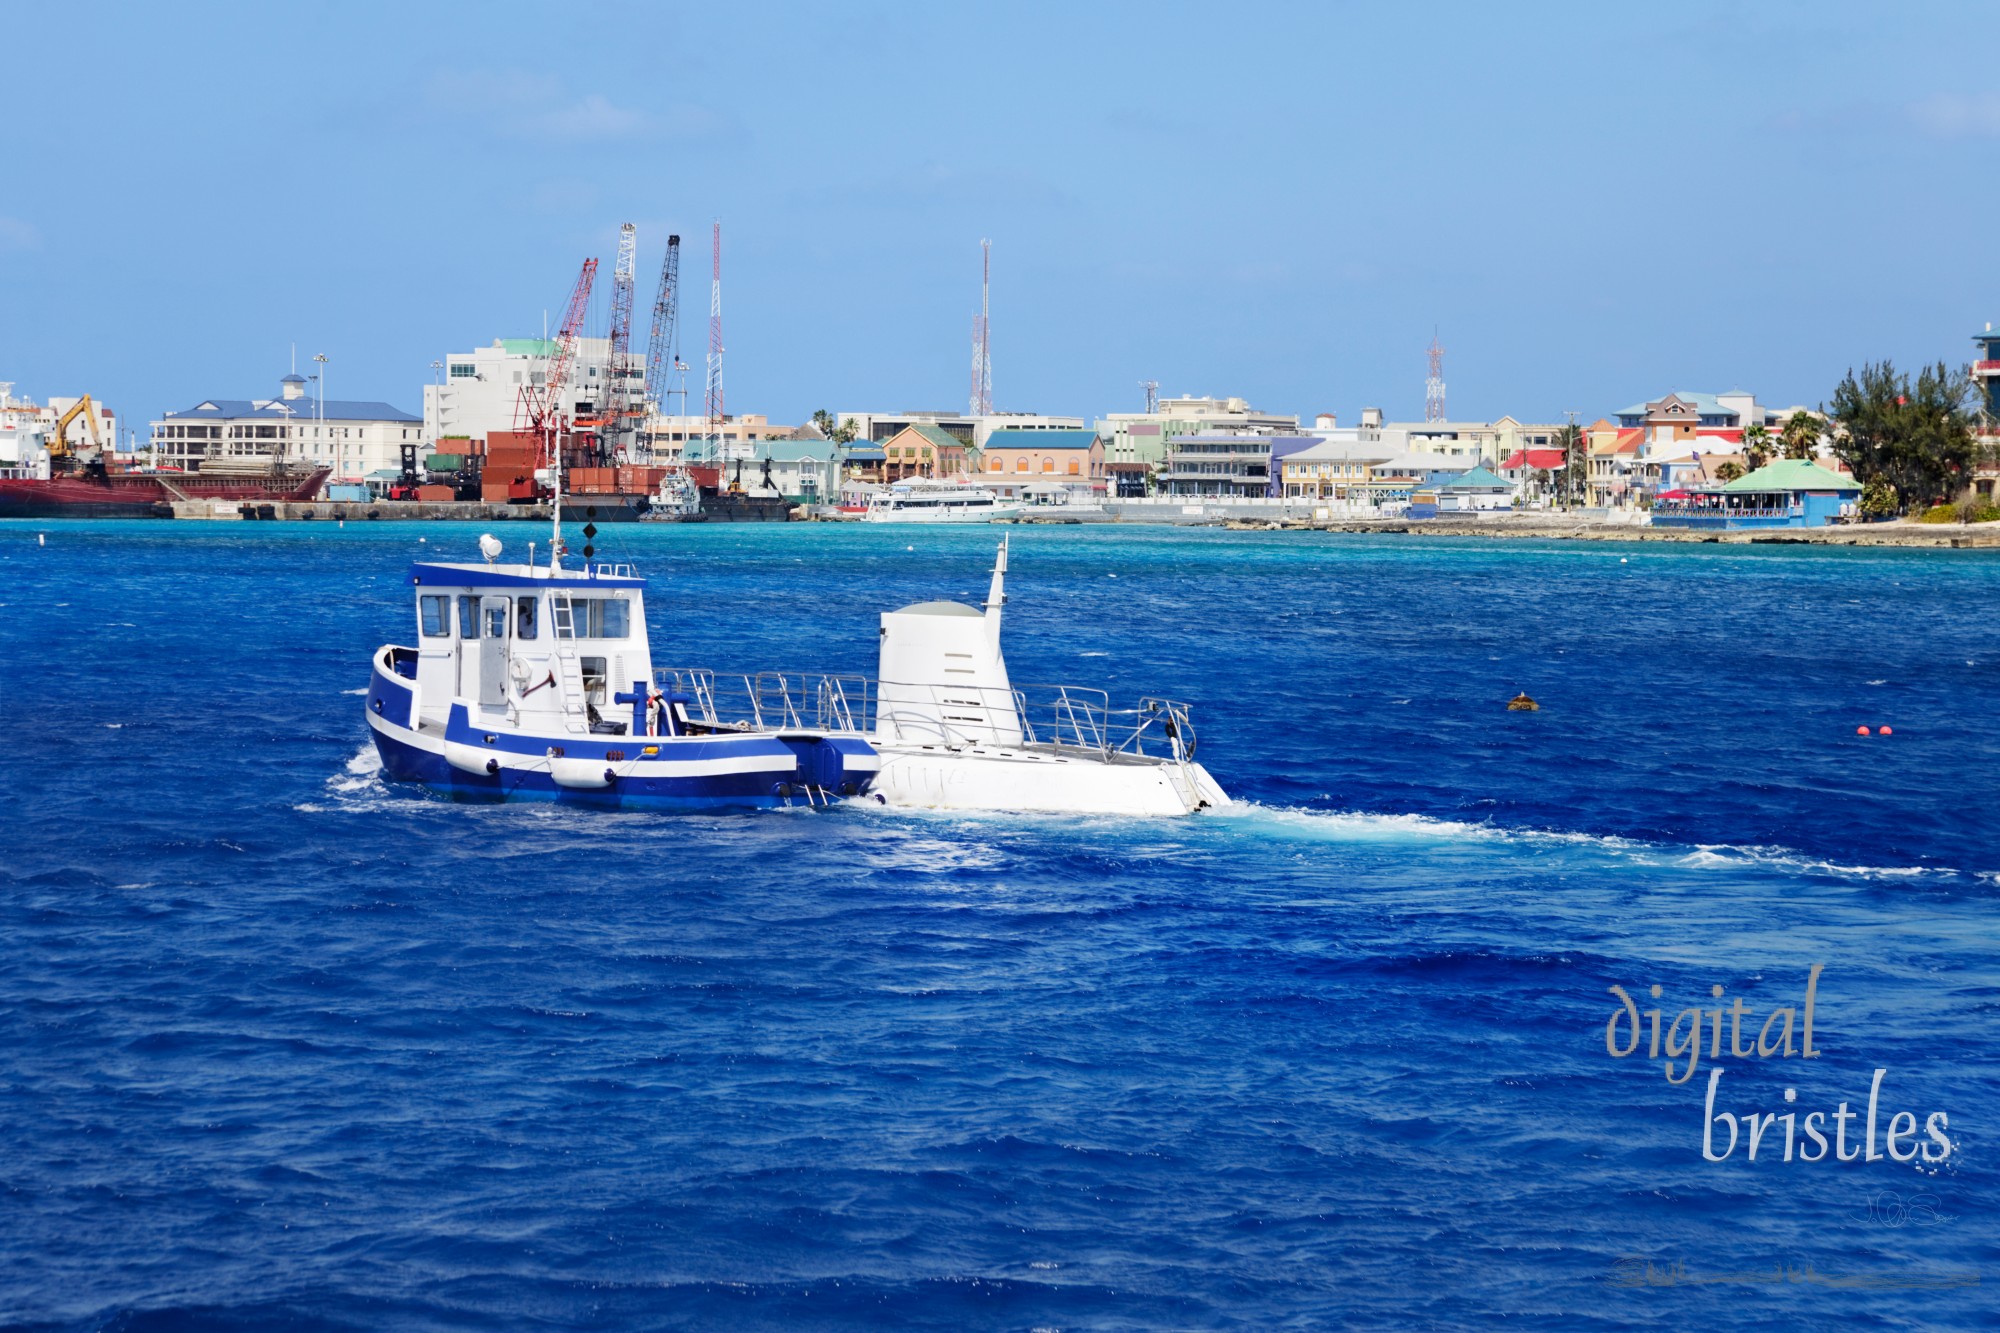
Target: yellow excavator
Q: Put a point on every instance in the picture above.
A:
(59, 446)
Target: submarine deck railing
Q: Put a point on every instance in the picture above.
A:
(1067, 719)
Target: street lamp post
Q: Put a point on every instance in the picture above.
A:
(319, 404)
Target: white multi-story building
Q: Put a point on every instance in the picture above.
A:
(23, 417)
(1141, 437)
(480, 390)
(354, 438)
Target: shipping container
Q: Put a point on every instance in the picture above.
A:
(494, 492)
(435, 493)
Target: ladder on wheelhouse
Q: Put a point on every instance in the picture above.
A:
(569, 670)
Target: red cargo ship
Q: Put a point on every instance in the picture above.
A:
(96, 493)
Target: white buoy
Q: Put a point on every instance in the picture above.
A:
(909, 548)
(1621, 559)
(41, 539)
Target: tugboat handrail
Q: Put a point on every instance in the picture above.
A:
(1066, 719)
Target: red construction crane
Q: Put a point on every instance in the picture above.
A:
(540, 405)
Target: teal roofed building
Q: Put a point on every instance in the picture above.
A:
(1790, 493)
(1475, 488)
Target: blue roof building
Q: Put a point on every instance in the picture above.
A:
(353, 437)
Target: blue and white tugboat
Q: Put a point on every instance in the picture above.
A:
(536, 682)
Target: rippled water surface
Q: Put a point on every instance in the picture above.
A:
(286, 1047)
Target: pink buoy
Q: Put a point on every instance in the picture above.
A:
(1885, 731)
(1861, 731)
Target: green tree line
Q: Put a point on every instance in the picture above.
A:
(1911, 439)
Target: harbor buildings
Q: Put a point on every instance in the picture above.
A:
(924, 450)
(1334, 470)
(1474, 490)
(1218, 464)
(800, 471)
(669, 436)
(1986, 380)
(354, 438)
(1014, 458)
(1486, 443)
(1790, 493)
(480, 391)
(23, 419)
(1612, 474)
(975, 430)
(1682, 417)
(1144, 437)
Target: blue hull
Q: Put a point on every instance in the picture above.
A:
(402, 762)
(783, 770)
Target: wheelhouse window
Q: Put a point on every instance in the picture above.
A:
(594, 617)
(468, 617)
(524, 617)
(435, 614)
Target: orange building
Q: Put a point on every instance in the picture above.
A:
(926, 451)
(1013, 458)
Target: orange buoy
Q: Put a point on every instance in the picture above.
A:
(1885, 731)
(1861, 731)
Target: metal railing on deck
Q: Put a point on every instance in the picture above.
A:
(1064, 718)
(773, 700)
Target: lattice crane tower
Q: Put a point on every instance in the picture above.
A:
(617, 364)
(660, 355)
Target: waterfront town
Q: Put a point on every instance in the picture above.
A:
(1672, 457)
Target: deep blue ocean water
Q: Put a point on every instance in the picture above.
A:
(285, 1047)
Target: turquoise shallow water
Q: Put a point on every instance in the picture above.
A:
(288, 1047)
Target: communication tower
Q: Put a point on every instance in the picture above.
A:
(713, 442)
(982, 349)
(1434, 385)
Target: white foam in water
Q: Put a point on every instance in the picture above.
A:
(361, 777)
(1355, 826)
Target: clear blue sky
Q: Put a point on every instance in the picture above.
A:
(1593, 203)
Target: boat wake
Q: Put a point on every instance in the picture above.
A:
(1357, 826)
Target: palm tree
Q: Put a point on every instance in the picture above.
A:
(1801, 435)
(1569, 439)
(1756, 445)
(1729, 471)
